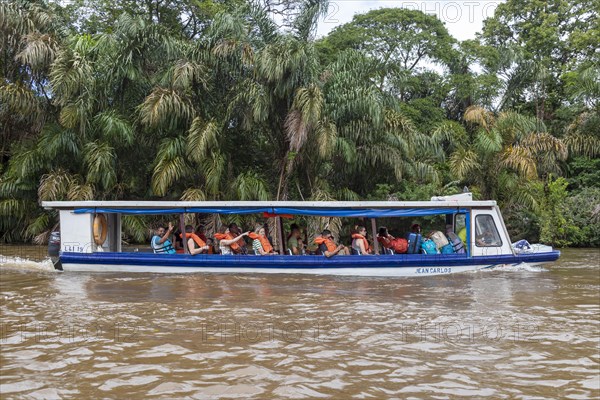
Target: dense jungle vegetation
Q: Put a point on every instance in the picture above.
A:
(239, 100)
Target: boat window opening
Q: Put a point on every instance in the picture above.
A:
(486, 233)
(459, 222)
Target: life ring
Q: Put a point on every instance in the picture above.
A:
(100, 229)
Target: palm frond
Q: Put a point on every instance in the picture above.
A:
(39, 51)
(80, 191)
(188, 73)
(546, 143)
(114, 128)
(584, 145)
(488, 141)
(54, 185)
(249, 186)
(19, 98)
(213, 168)
(326, 134)
(170, 166)
(39, 225)
(56, 141)
(193, 194)
(450, 133)
(520, 159)
(100, 160)
(136, 227)
(480, 116)
(514, 127)
(202, 139)
(165, 107)
(295, 130)
(464, 162)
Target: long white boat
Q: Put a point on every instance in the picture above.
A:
(80, 250)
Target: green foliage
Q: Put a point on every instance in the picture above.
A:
(396, 35)
(584, 172)
(219, 100)
(583, 211)
(555, 227)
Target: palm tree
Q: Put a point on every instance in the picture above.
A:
(503, 152)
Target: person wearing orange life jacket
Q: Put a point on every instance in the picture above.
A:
(397, 245)
(328, 247)
(238, 247)
(195, 244)
(227, 241)
(201, 233)
(260, 243)
(360, 244)
(384, 237)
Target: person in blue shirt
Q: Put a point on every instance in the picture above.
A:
(160, 241)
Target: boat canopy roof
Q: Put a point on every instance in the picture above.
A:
(273, 208)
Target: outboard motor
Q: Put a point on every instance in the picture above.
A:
(54, 249)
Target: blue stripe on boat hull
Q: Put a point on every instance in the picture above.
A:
(284, 263)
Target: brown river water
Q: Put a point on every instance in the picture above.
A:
(521, 332)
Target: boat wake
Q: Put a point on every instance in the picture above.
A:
(518, 267)
(19, 263)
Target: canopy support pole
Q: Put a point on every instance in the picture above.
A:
(280, 234)
(374, 233)
(183, 233)
(468, 226)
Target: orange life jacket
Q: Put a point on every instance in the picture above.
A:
(221, 236)
(235, 247)
(364, 239)
(264, 242)
(328, 242)
(199, 242)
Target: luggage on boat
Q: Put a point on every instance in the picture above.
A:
(439, 239)
(521, 246)
(457, 244)
(447, 249)
(429, 247)
(414, 243)
(400, 245)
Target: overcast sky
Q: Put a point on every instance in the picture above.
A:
(463, 18)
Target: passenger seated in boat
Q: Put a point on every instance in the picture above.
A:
(210, 242)
(295, 243)
(178, 242)
(201, 233)
(260, 242)
(328, 247)
(194, 243)
(238, 247)
(360, 244)
(227, 241)
(415, 228)
(390, 243)
(384, 237)
(160, 242)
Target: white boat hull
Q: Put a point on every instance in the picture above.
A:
(400, 271)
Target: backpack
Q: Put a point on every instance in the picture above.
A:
(448, 249)
(439, 238)
(429, 247)
(400, 245)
